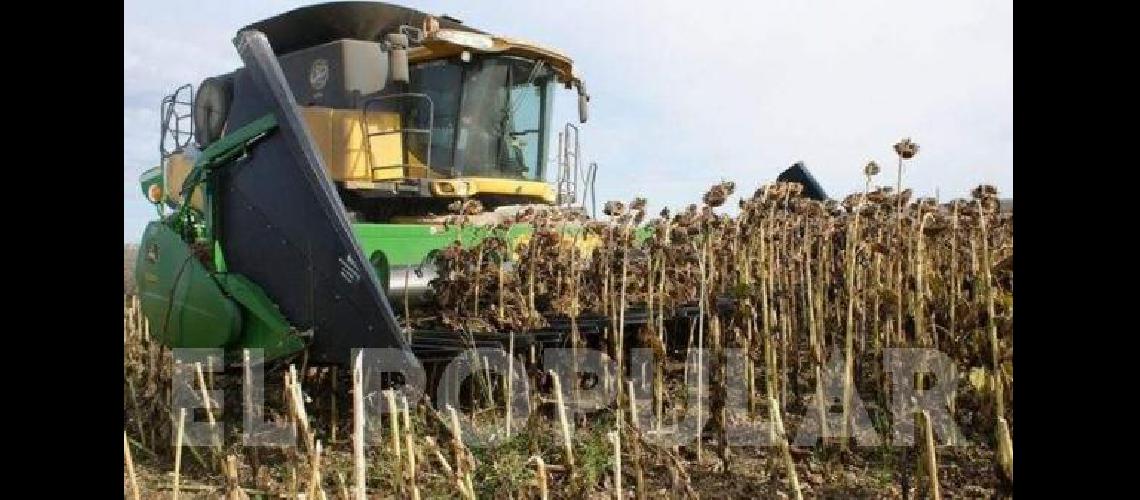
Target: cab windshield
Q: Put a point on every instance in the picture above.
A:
(489, 116)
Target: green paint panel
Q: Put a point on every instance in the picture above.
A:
(263, 326)
(183, 303)
(210, 310)
(234, 143)
(410, 244)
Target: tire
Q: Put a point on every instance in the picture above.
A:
(211, 107)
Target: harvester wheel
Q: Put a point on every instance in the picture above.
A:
(211, 107)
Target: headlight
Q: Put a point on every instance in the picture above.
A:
(154, 193)
(453, 188)
(463, 188)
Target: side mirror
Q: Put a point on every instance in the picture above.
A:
(583, 103)
(398, 58)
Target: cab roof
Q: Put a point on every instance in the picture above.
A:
(318, 24)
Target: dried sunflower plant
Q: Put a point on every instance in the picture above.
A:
(793, 310)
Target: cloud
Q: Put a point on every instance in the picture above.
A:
(684, 94)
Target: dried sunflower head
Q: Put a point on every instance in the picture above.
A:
(984, 191)
(729, 187)
(718, 194)
(614, 208)
(906, 148)
(794, 189)
(472, 207)
(905, 196)
(774, 191)
(871, 169)
(883, 196)
(990, 204)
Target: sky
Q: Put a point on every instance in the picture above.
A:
(686, 94)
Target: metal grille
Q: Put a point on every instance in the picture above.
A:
(177, 112)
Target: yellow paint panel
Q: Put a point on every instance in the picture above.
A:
(435, 48)
(174, 172)
(491, 185)
(340, 137)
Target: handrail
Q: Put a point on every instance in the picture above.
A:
(168, 110)
(588, 178)
(404, 131)
(568, 170)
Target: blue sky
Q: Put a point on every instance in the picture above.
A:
(683, 98)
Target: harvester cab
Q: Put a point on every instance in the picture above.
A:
(412, 111)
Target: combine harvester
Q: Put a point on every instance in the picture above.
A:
(297, 194)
